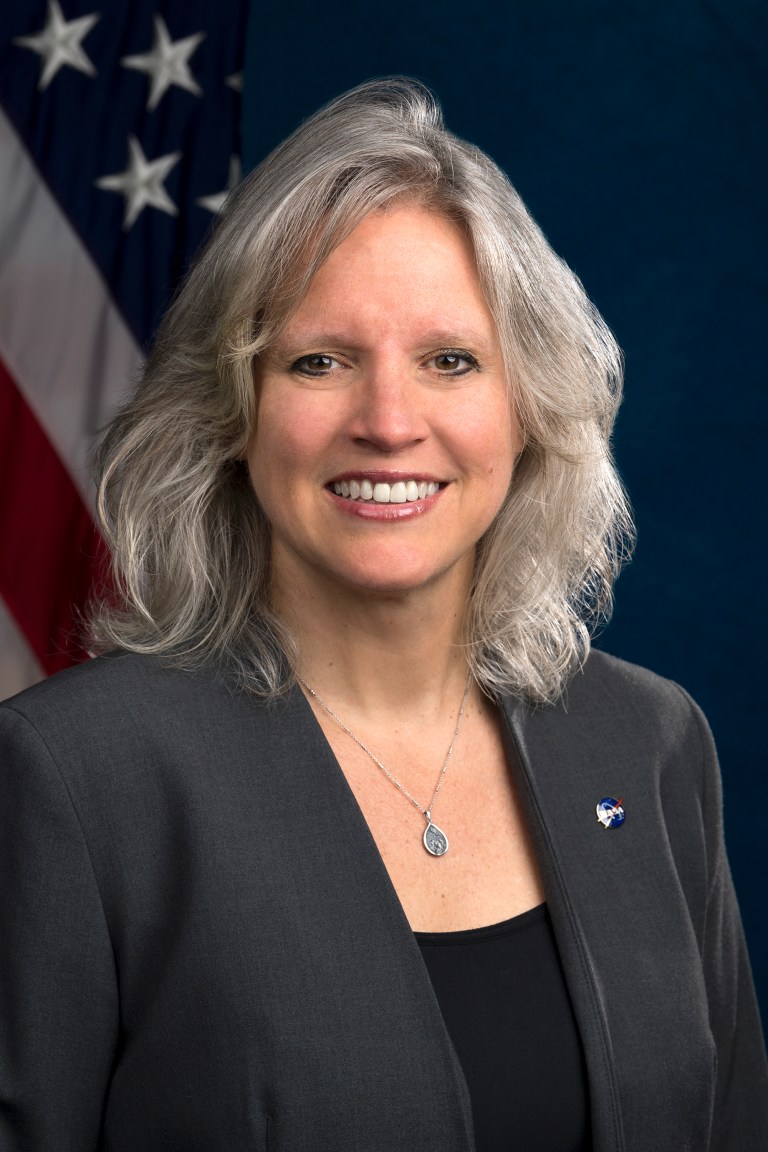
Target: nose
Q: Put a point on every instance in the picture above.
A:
(389, 412)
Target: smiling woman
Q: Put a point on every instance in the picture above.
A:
(543, 572)
(347, 841)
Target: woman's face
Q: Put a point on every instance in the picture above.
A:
(384, 443)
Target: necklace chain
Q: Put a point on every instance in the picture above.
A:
(426, 812)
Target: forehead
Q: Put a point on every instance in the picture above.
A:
(403, 266)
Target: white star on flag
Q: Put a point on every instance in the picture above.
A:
(167, 63)
(235, 81)
(215, 202)
(59, 44)
(142, 183)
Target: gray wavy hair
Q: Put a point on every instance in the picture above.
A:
(189, 542)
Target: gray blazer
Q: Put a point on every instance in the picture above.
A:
(201, 950)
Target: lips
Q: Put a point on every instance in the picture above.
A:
(405, 490)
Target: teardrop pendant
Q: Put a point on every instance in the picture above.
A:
(435, 840)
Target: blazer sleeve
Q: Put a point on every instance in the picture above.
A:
(740, 1115)
(58, 989)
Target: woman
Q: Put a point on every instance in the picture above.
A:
(348, 844)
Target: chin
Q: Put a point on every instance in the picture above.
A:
(390, 582)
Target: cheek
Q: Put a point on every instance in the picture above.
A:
(496, 442)
(273, 442)
(287, 446)
(511, 440)
(269, 455)
(502, 447)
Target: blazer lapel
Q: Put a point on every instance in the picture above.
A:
(619, 910)
(545, 785)
(377, 1003)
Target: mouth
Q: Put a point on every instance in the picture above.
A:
(403, 490)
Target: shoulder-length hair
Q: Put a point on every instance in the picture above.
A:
(189, 542)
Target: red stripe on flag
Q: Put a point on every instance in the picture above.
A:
(50, 549)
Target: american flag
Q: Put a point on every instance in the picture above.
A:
(119, 139)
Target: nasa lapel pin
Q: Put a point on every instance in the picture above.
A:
(610, 812)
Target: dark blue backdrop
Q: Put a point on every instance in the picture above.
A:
(635, 133)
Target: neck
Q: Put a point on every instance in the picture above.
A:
(379, 652)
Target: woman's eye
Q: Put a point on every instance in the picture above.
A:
(453, 363)
(317, 364)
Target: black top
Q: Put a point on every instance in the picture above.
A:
(502, 993)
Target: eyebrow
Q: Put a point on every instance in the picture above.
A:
(443, 337)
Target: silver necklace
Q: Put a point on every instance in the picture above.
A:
(434, 839)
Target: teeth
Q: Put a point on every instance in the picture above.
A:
(401, 492)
